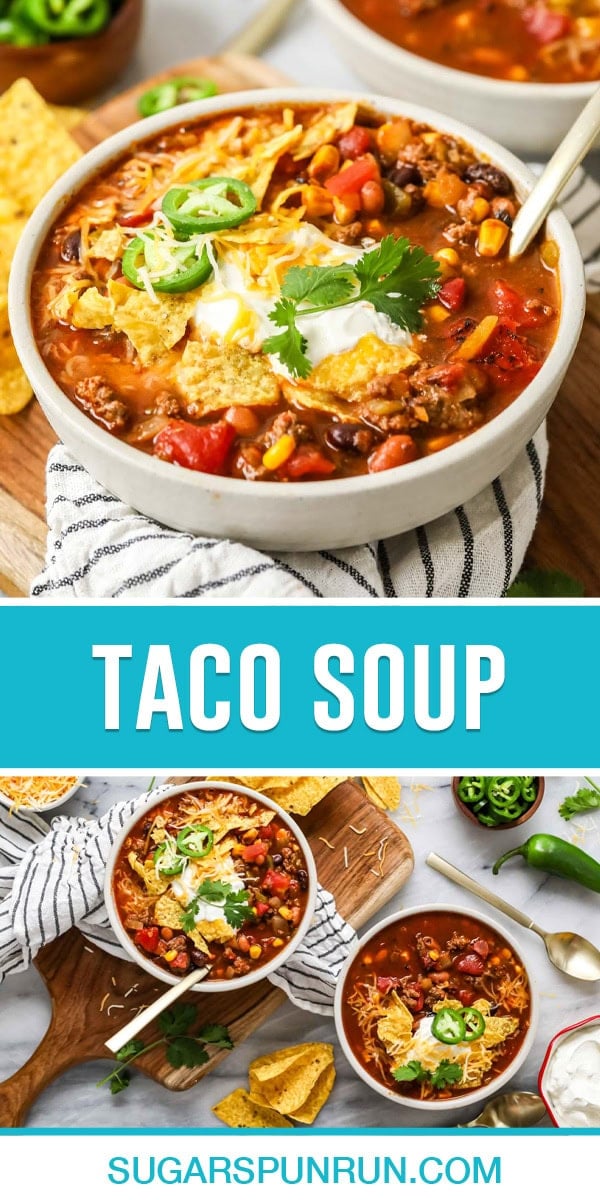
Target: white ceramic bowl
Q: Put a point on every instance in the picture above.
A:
(224, 985)
(294, 516)
(472, 1097)
(531, 118)
(44, 808)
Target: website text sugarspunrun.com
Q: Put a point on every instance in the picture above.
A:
(343, 1170)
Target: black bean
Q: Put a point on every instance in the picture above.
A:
(198, 958)
(303, 879)
(69, 251)
(277, 860)
(481, 172)
(404, 173)
(346, 436)
(506, 217)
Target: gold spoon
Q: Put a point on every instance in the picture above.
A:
(570, 952)
(512, 1110)
(260, 29)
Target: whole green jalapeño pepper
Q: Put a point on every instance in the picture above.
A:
(68, 18)
(552, 854)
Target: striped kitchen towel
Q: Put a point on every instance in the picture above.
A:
(52, 878)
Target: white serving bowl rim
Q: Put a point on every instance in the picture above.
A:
(254, 976)
(469, 1098)
(158, 472)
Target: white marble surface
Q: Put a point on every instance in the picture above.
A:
(75, 1101)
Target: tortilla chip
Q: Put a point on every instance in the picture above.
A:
(35, 148)
(152, 326)
(383, 790)
(10, 232)
(169, 912)
(395, 1029)
(211, 377)
(15, 389)
(217, 931)
(242, 1111)
(109, 244)
(153, 883)
(347, 373)
(9, 209)
(317, 1098)
(67, 116)
(301, 395)
(325, 126)
(290, 1089)
(4, 325)
(269, 1066)
(92, 310)
(295, 793)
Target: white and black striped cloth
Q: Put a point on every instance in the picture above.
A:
(52, 878)
(99, 548)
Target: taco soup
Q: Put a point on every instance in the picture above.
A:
(291, 294)
(435, 1005)
(211, 878)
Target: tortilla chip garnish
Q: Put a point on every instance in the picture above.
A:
(153, 326)
(325, 127)
(154, 884)
(168, 912)
(395, 1029)
(347, 373)
(35, 148)
(92, 310)
(317, 1098)
(301, 395)
(290, 1089)
(242, 1111)
(15, 389)
(383, 790)
(210, 377)
(109, 244)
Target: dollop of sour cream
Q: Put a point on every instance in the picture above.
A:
(184, 888)
(572, 1078)
(233, 309)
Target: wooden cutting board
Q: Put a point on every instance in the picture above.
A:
(94, 994)
(568, 533)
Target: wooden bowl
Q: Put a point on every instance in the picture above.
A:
(71, 71)
(471, 816)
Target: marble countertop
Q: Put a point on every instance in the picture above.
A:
(433, 824)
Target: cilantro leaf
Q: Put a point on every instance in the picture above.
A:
(446, 1073)
(320, 285)
(118, 1082)
(216, 1035)
(235, 905)
(177, 1019)
(290, 346)
(398, 279)
(411, 1072)
(130, 1050)
(535, 582)
(584, 800)
(186, 1052)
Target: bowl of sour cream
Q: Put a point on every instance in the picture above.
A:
(569, 1079)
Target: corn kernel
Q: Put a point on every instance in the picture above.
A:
(375, 229)
(587, 27)
(277, 942)
(346, 208)
(448, 261)
(474, 343)
(437, 313)
(279, 453)
(285, 912)
(255, 952)
(464, 20)
(479, 209)
(549, 254)
(317, 201)
(170, 956)
(391, 138)
(324, 163)
(492, 236)
(518, 74)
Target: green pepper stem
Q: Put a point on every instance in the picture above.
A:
(509, 854)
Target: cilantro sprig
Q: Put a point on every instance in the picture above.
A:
(235, 905)
(584, 800)
(445, 1074)
(395, 277)
(184, 1048)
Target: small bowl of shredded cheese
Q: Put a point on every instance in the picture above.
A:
(38, 793)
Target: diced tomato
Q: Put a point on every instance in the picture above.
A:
(352, 178)
(387, 983)
(254, 851)
(276, 882)
(544, 25)
(199, 447)
(481, 947)
(134, 220)
(396, 451)
(453, 294)
(513, 307)
(261, 908)
(508, 355)
(147, 939)
(466, 997)
(181, 962)
(355, 142)
(470, 964)
(307, 461)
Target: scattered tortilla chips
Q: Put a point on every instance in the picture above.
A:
(209, 375)
(293, 1082)
(383, 790)
(67, 116)
(294, 793)
(15, 390)
(242, 1111)
(35, 148)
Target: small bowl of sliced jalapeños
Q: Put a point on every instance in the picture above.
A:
(498, 801)
(69, 49)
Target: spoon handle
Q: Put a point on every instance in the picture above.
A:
(556, 174)
(471, 885)
(260, 29)
(135, 1026)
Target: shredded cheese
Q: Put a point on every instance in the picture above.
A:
(35, 791)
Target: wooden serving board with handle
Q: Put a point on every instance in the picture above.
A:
(94, 994)
(568, 533)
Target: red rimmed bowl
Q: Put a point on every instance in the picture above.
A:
(549, 1083)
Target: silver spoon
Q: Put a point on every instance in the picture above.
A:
(570, 952)
(512, 1110)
